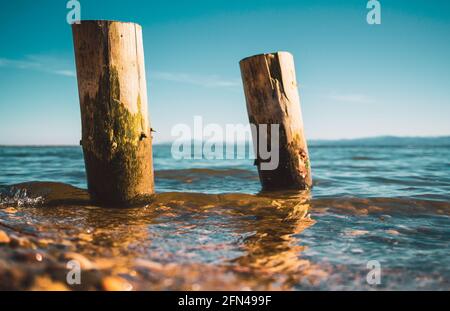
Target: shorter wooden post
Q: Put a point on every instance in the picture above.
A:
(116, 135)
(272, 97)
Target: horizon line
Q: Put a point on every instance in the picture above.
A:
(247, 141)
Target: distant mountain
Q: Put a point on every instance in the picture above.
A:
(372, 141)
(386, 141)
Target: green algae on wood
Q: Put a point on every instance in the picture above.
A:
(116, 135)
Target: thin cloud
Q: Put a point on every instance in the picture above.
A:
(200, 80)
(351, 98)
(67, 73)
(52, 65)
(38, 63)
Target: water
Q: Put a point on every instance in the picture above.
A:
(209, 227)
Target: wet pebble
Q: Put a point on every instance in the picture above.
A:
(356, 232)
(147, 264)
(114, 283)
(44, 242)
(47, 284)
(4, 238)
(104, 263)
(393, 232)
(25, 255)
(10, 210)
(39, 257)
(17, 241)
(85, 264)
(85, 237)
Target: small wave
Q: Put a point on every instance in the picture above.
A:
(362, 158)
(59, 194)
(196, 173)
(32, 194)
(14, 196)
(370, 206)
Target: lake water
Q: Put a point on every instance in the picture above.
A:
(384, 200)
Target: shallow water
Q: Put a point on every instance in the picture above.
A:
(210, 228)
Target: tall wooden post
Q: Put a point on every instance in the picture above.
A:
(272, 97)
(116, 134)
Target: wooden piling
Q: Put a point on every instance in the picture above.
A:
(272, 97)
(116, 134)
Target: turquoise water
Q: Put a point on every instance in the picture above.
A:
(385, 199)
(401, 168)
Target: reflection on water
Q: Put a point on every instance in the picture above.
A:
(199, 240)
(219, 241)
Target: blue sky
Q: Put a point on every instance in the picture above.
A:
(356, 80)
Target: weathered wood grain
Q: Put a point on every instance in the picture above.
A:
(272, 97)
(116, 135)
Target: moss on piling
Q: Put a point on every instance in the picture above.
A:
(117, 160)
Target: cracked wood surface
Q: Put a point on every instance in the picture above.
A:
(271, 93)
